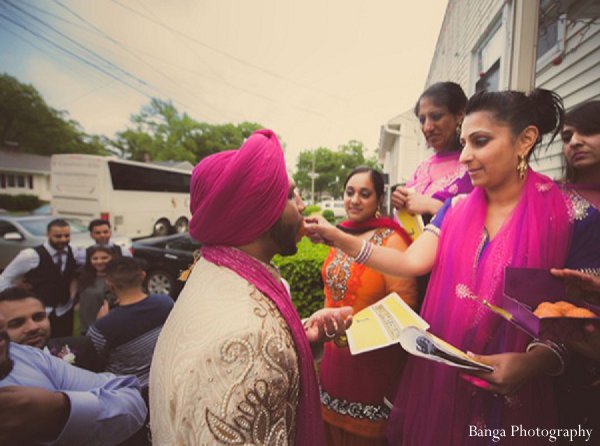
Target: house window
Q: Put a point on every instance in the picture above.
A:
(551, 32)
(30, 181)
(490, 80)
(489, 56)
(21, 181)
(11, 180)
(2, 181)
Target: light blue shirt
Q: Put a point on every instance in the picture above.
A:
(105, 409)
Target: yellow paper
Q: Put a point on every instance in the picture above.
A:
(412, 224)
(380, 324)
(366, 331)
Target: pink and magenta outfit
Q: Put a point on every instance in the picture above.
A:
(435, 405)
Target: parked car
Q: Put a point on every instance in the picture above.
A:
(166, 257)
(44, 209)
(20, 232)
(337, 206)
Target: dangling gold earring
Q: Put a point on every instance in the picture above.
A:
(378, 212)
(458, 127)
(522, 166)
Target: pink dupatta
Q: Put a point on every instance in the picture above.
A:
(309, 425)
(434, 404)
(441, 177)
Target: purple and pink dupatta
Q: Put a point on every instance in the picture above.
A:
(435, 405)
(309, 424)
(441, 177)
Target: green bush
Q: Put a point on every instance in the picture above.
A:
(311, 209)
(21, 202)
(329, 216)
(303, 273)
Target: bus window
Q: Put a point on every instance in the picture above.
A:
(138, 178)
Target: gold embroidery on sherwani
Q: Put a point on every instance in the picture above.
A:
(256, 419)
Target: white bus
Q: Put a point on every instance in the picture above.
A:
(138, 199)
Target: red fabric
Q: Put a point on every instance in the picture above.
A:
(374, 223)
(237, 195)
(378, 372)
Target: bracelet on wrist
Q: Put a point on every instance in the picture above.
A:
(559, 351)
(365, 252)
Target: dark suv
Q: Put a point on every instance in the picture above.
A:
(166, 257)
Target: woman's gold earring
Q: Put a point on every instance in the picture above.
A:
(378, 212)
(522, 166)
(458, 127)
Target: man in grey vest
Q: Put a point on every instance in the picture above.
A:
(48, 270)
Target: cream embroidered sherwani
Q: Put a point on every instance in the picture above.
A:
(225, 370)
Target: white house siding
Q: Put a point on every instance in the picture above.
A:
(400, 154)
(467, 25)
(464, 28)
(576, 80)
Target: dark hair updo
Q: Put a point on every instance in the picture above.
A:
(540, 108)
(449, 95)
(445, 94)
(376, 179)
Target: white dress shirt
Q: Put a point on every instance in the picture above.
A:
(27, 260)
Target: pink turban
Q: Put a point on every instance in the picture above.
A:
(237, 195)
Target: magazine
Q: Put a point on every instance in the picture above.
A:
(426, 345)
(390, 321)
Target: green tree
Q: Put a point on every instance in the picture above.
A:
(26, 119)
(332, 167)
(212, 138)
(160, 132)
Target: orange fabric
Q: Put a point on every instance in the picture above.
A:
(366, 286)
(367, 378)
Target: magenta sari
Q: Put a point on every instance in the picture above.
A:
(435, 405)
(309, 425)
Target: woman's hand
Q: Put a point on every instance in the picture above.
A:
(328, 324)
(590, 346)
(319, 230)
(578, 284)
(414, 202)
(399, 197)
(513, 370)
(417, 203)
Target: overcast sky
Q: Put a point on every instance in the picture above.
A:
(318, 72)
